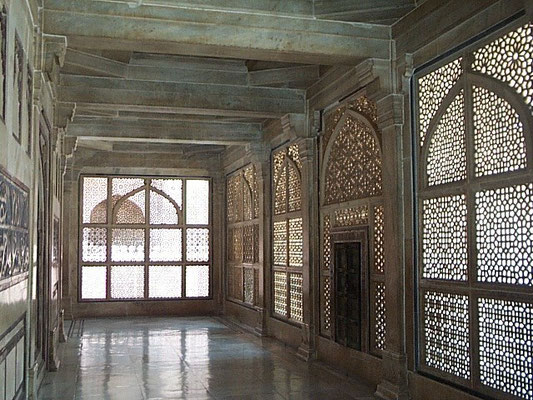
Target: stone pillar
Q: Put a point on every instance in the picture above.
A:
(219, 239)
(394, 384)
(308, 151)
(260, 157)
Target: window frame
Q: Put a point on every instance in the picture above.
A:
(109, 225)
(469, 187)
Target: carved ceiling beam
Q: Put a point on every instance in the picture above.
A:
(203, 32)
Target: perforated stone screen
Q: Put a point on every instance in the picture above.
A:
(242, 224)
(140, 239)
(475, 209)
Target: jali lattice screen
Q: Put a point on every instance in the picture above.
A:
(242, 224)
(144, 238)
(287, 240)
(351, 196)
(476, 215)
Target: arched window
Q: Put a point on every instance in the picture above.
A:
(351, 199)
(242, 219)
(287, 234)
(475, 212)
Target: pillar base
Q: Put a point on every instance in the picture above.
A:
(394, 385)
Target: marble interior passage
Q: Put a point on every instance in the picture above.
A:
(185, 358)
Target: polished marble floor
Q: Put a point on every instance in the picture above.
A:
(185, 358)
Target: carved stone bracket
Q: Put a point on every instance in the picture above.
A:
(55, 49)
(294, 125)
(390, 111)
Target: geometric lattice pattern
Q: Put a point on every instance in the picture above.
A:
(447, 147)
(94, 193)
(280, 293)
(287, 180)
(504, 227)
(379, 250)
(146, 253)
(280, 243)
(242, 210)
(362, 105)
(287, 245)
(380, 320)
(354, 167)
(327, 303)
(498, 134)
(506, 347)
(446, 328)
(478, 226)
(444, 240)
(326, 246)
(249, 285)
(432, 89)
(508, 59)
(295, 242)
(351, 216)
(296, 296)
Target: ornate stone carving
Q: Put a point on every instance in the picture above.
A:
(14, 236)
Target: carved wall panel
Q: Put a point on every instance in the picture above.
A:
(14, 235)
(351, 197)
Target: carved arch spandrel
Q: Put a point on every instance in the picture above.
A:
(374, 179)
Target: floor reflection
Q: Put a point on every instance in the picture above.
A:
(185, 358)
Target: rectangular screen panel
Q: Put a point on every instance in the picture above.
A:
(127, 281)
(197, 206)
(164, 281)
(93, 282)
(197, 281)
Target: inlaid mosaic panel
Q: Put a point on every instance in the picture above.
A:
(14, 223)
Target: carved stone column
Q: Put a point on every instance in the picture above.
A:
(394, 384)
(219, 184)
(259, 155)
(308, 151)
